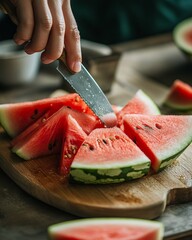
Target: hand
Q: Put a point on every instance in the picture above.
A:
(48, 26)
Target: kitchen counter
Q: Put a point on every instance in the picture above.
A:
(150, 64)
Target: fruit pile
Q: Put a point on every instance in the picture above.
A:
(143, 141)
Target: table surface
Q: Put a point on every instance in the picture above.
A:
(150, 64)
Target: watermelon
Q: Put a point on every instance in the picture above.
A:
(74, 137)
(108, 156)
(45, 137)
(182, 35)
(107, 229)
(141, 103)
(15, 117)
(179, 96)
(89, 152)
(162, 138)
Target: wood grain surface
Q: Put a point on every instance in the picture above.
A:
(143, 198)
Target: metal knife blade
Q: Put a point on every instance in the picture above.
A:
(84, 84)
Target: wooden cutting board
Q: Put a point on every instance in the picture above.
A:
(143, 198)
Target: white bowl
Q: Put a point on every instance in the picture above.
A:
(16, 66)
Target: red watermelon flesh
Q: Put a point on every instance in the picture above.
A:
(180, 96)
(86, 121)
(139, 104)
(74, 136)
(15, 117)
(45, 140)
(33, 127)
(46, 137)
(161, 137)
(107, 229)
(188, 36)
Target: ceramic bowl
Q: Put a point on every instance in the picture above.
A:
(17, 67)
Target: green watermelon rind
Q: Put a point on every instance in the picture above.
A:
(178, 36)
(168, 161)
(4, 121)
(177, 106)
(182, 146)
(109, 173)
(54, 229)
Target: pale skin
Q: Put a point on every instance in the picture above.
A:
(48, 26)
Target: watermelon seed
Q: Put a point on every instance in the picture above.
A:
(104, 141)
(85, 144)
(73, 149)
(43, 120)
(91, 147)
(76, 99)
(69, 155)
(52, 145)
(117, 137)
(111, 138)
(147, 126)
(34, 114)
(138, 127)
(157, 125)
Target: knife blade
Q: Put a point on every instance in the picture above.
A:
(88, 89)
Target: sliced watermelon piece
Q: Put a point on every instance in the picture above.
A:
(162, 138)
(86, 121)
(182, 35)
(45, 140)
(179, 96)
(45, 136)
(108, 156)
(139, 104)
(15, 117)
(108, 229)
(74, 137)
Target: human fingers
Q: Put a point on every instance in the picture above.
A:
(43, 24)
(72, 39)
(55, 44)
(25, 21)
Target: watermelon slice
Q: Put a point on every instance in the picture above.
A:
(140, 103)
(108, 156)
(45, 137)
(182, 36)
(162, 138)
(86, 121)
(74, 137)
(107, 229)
(15, 117)
(180, 96)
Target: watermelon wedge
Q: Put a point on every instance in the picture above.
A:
(74, 137)
(179, 96)
(162, 138)
(107, 229)
(108, 156)
(15, 117)
(182, 35)
(45, 137)
(141, 103)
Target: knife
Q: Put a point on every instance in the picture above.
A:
(82, 82)
(88, 89)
